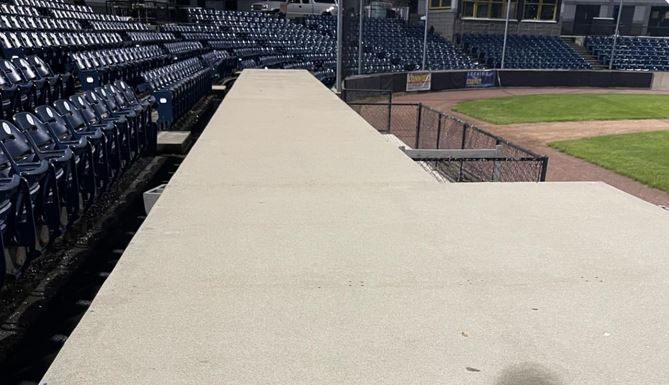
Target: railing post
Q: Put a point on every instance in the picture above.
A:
(462, 147)
(418, 121)
(544, 169)
(439, 130)
(495, 166)
(390, 110)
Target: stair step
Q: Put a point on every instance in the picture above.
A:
(585, 54)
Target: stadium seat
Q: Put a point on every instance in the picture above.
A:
(61, 157)
(43, 181)
(17, 224)
(60, 139)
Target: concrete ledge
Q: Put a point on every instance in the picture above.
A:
(174, 142)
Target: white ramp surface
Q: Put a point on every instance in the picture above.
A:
(295, 247)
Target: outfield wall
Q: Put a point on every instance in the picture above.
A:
(445, 80)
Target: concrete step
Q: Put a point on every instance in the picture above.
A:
(584, 53)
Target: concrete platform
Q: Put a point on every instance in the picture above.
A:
(295, 246)
(174, 142)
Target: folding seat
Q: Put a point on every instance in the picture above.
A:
(26, 90)
(56, 137)
(132, 114)
(105, 144)
(60, 156)
(115, 127)
(42, 178)
(17, 223)
(63, 82)
(10, 96)
(45, 88)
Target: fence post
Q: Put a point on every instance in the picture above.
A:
(418, 122)
(544, 169)
(439, 119)
(390, 110)
(495, 166)
(462, 147)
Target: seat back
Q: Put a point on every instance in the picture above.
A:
(30, 124)
(56, 122)
(17, 145)
(11, 72)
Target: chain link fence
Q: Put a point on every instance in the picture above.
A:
(422, 127)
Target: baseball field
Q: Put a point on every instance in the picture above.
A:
(617, 136)
(566, 107)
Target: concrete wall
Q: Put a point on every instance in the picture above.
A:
(443, 22)
(660, 81)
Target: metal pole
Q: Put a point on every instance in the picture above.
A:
(360, 39)
(427, 11)
(340, 17)
(506, 32)
(615, 37)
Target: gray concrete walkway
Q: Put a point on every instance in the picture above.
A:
(295, 246)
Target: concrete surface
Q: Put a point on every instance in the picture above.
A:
(173, 142)
(296, 246)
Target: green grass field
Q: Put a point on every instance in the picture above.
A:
(565, 107)
(643, 156)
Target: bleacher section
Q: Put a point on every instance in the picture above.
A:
(392, 45)
(543, 52)
(71, 121)
(632, 53)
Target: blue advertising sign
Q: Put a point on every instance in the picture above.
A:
(480, 79)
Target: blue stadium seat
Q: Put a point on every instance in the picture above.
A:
(42, 178)
(61, 157)
(523, 51)
(61, 139)
(17, 226)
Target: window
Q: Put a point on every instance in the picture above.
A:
(540, 10)
(325, 1)
(658, 22)
(487, 9)
(305, 1)
(440, 4)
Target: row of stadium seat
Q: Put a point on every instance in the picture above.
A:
(546, 52)
(632, 53)
(177, 87)
(103, 66)
(56, 158)
(28, 82)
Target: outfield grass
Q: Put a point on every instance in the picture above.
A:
(642, 156)
(565, 107)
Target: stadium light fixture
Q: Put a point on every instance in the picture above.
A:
(615, 36)
(506, 32)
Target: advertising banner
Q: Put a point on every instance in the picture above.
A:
(419, 81)
(480, 79)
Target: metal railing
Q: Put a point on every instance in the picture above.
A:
(422, 127)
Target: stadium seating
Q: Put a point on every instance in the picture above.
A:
(177, 87)
(96, 68)
(392, 45)
(632, 53)
(544, 52)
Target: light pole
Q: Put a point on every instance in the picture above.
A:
(427, 11)
(615, 36)
(340, 17)
(360, 39)
(506, 32)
